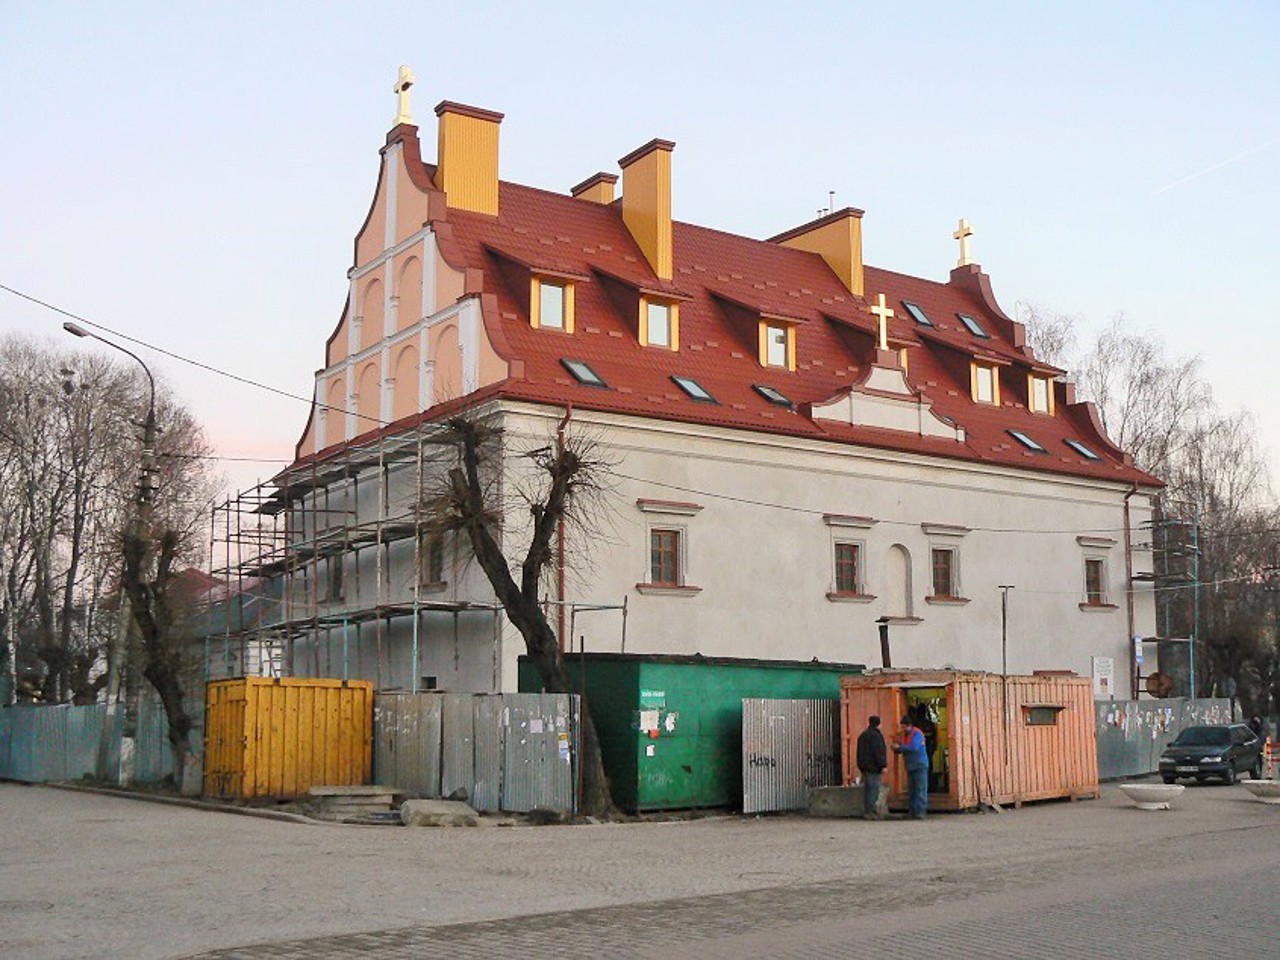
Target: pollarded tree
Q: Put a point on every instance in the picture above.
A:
(565, 483)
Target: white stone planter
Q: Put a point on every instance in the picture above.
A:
(1152, 796)
(1268, 791)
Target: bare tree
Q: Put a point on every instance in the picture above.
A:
(1217, 520)
(565, 485)
(69, 459)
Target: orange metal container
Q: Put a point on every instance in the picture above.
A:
(999, 739)
(267, 737)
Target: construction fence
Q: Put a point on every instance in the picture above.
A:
(1133, 733)
(46, 743)
(508, 751)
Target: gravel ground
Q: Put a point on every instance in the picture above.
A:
(91, 875)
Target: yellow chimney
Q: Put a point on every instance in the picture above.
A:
(646, 202)
(597, 188)
(467, 159)
(837, 238)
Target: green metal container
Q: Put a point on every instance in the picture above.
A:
(671, 726)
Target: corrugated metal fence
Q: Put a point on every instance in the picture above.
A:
(511, 751)
(788, 746)
(1133, 733)
(45, 743)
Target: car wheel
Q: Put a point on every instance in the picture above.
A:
(1169, 778)
(1229, 777)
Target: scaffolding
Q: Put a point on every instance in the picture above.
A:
(281, 550)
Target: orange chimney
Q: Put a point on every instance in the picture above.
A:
(646, 202)
(837, 238)
(467, 158)
(597, 188)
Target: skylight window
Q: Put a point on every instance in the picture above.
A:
(583, 373)
(973, 326)
(917, 314)
(1026, 441)
(1081, 449)
(775, 397)
(693, 389)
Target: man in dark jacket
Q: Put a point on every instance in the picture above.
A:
(872, 760)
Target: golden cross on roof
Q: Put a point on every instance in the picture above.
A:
(884, 312)
(404, 80)
(963, 235)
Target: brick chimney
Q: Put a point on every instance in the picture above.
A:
(467, 158)
(837, 238)
(646, 202)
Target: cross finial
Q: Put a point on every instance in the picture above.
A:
(963, 235)
(404, 80)
(884, 312)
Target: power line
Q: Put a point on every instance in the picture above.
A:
(177, 356)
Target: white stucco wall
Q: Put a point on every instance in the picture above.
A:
(763, 555)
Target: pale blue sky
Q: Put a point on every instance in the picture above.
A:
(194, 177)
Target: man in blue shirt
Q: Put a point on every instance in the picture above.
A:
(911, 745)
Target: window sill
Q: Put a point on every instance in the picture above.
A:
(947, 601)
(1099, 607)
(668, 590)
(839, 596)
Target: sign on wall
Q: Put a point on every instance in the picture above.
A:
(1104, 677)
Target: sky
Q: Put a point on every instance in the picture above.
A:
(193, 175)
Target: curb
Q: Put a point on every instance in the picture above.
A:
(188, 802)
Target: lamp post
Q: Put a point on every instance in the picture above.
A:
(1004, 589)
(140, 528)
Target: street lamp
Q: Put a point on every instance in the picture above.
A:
(1004, 589)
(144, 503)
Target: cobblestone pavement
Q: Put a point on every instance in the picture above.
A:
(83, 875)
(1178, 902)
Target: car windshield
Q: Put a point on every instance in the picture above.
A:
(1203, 737)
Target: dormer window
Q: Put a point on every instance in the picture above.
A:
(659, 324)
(551, 303)
(985, 383)
(777, 344)
(1039, 394)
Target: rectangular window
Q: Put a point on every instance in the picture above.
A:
(1081, 449)
(847, 568)
(431, 559)
(985, 387)
(776, 346)
(693, 388)
(973, 326)
(1039, 395)
(917, 314)
(551, 303)
(657, 324)
(583, 373)
(944, 572)
(1042, 716)
(1095, 590)
(1027, 441)
(664, 558)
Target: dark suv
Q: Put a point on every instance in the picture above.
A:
(1217, 751)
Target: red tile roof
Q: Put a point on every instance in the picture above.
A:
(716, 274)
